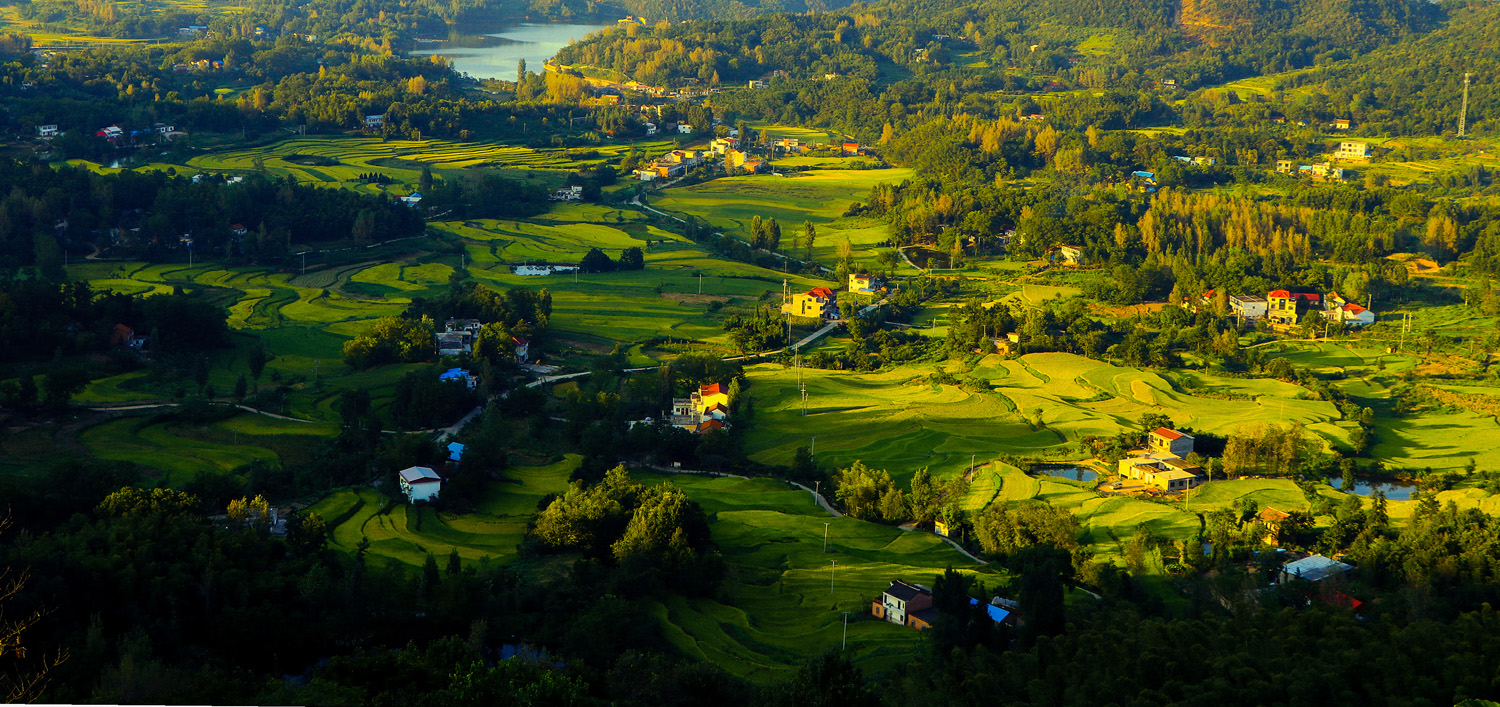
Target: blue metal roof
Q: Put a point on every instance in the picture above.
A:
(997, 614)
(453, 373)
(455, 451)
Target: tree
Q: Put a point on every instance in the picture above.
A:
(49, 257)
(828, 680)
(455, 565)
(61, 384)
(809, 235)
(773, 235)
(254, 512)
(632, 259)
(20, 687)
(757, 232)
(307, 532)
(241, 386)
(256, 359)
(520, 72)
(430, 577)
(595, 261)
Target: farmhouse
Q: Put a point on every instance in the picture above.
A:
(1341, 124)
(1352, 150)
(708, 396)
(1286, 307)
(411, 200)
(1169, 441)
(865, 283)
(46, 131)
(1286, 167)
(755, 83)
(819, 302)
(1248, 306)
(454, 343)
(1350, 314)
(420, 483)
(573, 193)
(1072, 254)
(789, 144)
(459, 375)
(905, 604)
(646, 175)
(523, 348)
(375, 121)
(849, 148)
(722, 145)
(1171, 475)
(668, 170)
(1313, 568)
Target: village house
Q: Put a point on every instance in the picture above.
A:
(523, 348)
(646, 175)
(573, 193)
(412, 200)
(789, 144)
(1170, 475)
(375, 121)
(123, 337)
(1352, 150)
(668, 170)
(754, 166)
(1341, 124)
(1286, 307)
(1169, 441)
(755, 83)
(420, 483)
(46, 132)
(1072, 254)
(866, 283)
(721, 145)
(455, 453)
(905, 604)
(459, 375)
(849, 148)
(1286, 167)
(819, 302)
(1349, 313)
(1252, 307)
(451, 343)
(1313, 568)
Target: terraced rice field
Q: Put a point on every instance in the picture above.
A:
(407, 533)
(778, 606)
(339, 160)
(177, 452)
(902, 421)
(819, 197)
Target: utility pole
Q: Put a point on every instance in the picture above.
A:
(825, 538)
(814, 449)
(831, 571)
(700, 283)
(1463, 113)
(845, 645)
(304, 262)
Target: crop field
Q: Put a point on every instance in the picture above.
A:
(779, 605)
(339, 160)
(407, 534)
(902, 421)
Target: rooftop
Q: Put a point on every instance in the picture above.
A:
(419, 475)
(1168, 433)
(905, 591)
(1315, 568)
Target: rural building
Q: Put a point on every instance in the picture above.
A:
(668, 170)
(1341, 124)
(1162, 474)
(1205, 161)
(905, 604)
(1350, 314)
(459, 375)
(722, 145)
(123, 337)
(1352, 150)
(456, 452)
(573, 193)
(789, 144)
(1313, 568)
(819, 302)
(1169, 441)
(1248, 306)
(1286, 167)
(454, 343)
(755, 83)
(1286, 307)
(46, 131)
(523, 348)
(708, 396)
(865, 283)
(413, 199)
(375, 121)
(754, 166)
(849, 148)
(1271, 519)
(1326, 171)
(1072, 254)
(420, 483)
(646, 175)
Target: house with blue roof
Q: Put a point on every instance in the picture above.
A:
(455, 452)
(459, 375)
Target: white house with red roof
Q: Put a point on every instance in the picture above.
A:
(420, 483)
(523, 348)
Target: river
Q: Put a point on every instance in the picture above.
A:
(492, 52)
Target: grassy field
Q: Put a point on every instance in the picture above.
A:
(902, 421)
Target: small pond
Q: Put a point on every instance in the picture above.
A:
(1393, 491)
(926, 258)
(492, 52)
(1067, 472)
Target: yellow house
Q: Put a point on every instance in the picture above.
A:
(711, 395)
(819, 302)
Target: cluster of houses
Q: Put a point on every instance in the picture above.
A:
(1287, 308)
(1348, 151)
(707, 408)
(1162, 463)
(909, 604)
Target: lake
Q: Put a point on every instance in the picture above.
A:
(1067, 472)
(492, 52)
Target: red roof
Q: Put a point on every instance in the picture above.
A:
(1353, 308)
(1284, 294)
(710, 425)
(712, 389)
(1279, 293)
(821, 293)
(1169, 434)
(717, 407)
(519, 341)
